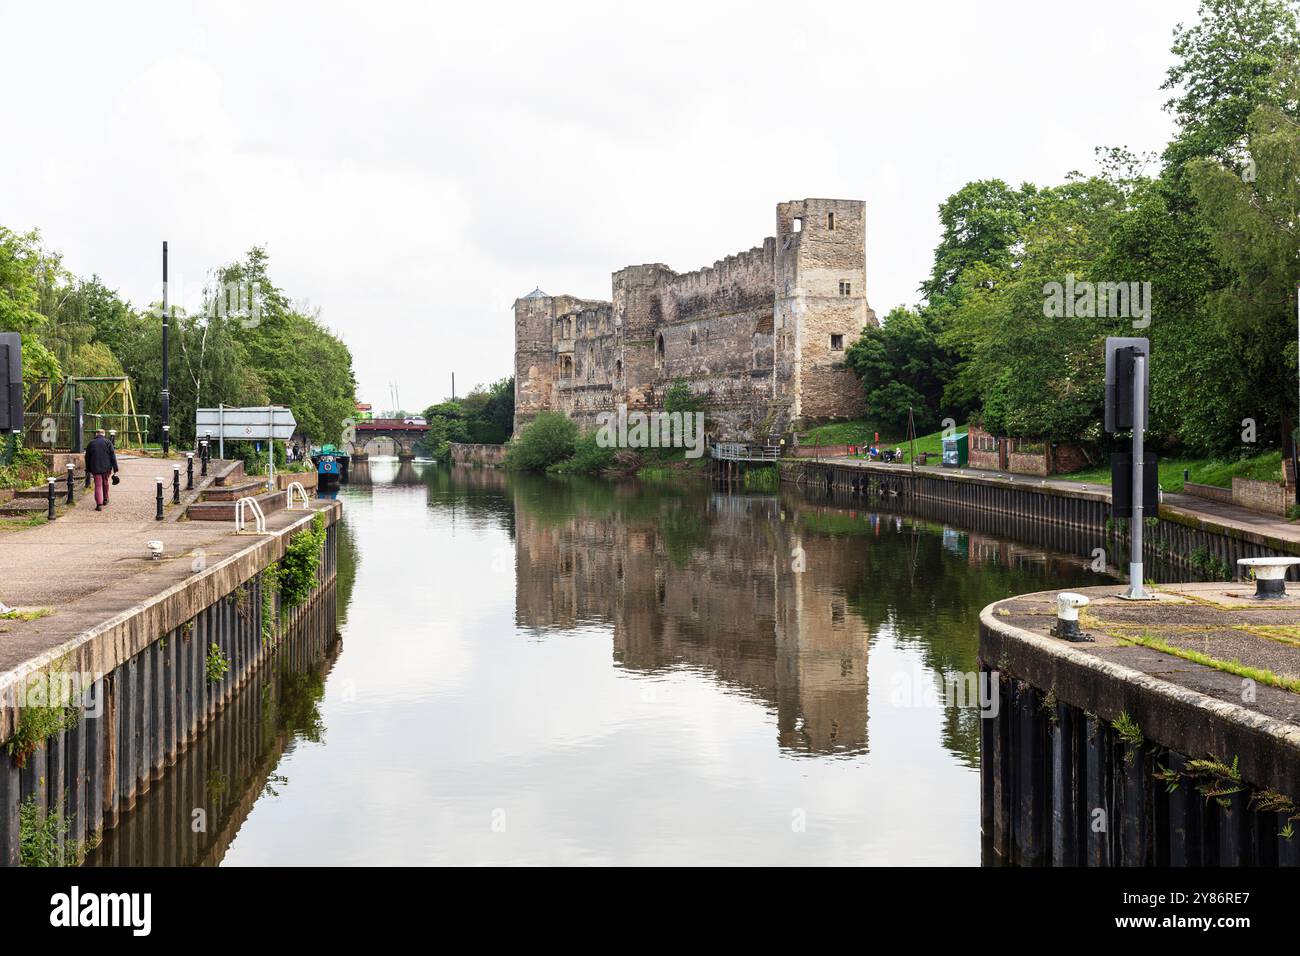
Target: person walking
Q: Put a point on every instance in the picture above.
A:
(101, 464)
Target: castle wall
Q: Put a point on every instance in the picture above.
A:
(753, 332)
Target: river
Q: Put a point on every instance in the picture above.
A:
(562, 671)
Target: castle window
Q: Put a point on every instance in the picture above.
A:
(837, 343)
(797, 226)
(830, 221)
(659, 349)
(846, 288)
(695, 339)
(618, 370)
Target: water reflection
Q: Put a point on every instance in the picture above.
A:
(566, 671)
(191, 816)
(778, 596)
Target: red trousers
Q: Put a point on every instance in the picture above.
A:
(101, 488)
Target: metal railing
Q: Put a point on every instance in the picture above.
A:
(297, 486)
(259, 517)
(54, 430)
(738, 451)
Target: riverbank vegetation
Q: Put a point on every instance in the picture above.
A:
(248, 343)
(553, 443)
(25, 470)
(486, 416)
(1201, 237)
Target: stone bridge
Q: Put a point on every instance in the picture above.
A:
(402, 433)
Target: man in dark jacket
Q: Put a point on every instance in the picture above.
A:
(101, 464)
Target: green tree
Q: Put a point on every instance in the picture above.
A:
(902, 366)
(23, 273)
(1223, 70)
(1038, 376)
(1252, 222)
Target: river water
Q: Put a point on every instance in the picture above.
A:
(536, 670)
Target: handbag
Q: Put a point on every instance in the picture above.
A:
(117, 480)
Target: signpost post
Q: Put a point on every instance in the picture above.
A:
(1127, 394)
(166, 393)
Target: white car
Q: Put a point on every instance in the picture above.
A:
(414, 421)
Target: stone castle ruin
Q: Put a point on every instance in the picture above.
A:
(762, 333)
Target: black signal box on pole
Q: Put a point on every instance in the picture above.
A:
(1121, 484)
(1119, 381)
(11, 382)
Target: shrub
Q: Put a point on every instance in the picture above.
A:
(26, 469)
(43, 836)
(588, 458)
(300, 565)
(547, 440)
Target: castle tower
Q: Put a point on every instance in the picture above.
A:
(820, 306)
(639, 316)
(534, 355)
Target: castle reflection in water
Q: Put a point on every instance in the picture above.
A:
(776, 596)
(715, 588)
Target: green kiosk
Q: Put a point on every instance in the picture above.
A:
(956, 450)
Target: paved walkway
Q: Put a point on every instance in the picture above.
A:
(85, 550)
(1202, 509)
(89, 567)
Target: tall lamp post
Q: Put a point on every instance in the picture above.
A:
(166, 394)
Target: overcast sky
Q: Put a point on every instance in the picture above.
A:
(412, 169)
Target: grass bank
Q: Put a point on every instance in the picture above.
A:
(1204, 471)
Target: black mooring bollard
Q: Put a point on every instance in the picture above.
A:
(176, 484)
(50, 492)
(189, 471)
(159, 515)
(71, 468)
(203, 458)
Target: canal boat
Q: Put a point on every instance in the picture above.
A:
(331, 467)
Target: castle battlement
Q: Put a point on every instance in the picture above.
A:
(761, 332)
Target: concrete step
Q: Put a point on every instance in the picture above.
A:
(26, 507)
(233, 492)
(232, 477)
(60, 489)
(271, 502)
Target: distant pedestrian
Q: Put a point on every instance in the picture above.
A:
(101, 464)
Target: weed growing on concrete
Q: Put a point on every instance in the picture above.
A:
(34, 614)
(217, 665)
(1171, 777)
(1215, 779)
(1209, 566)
(1258, 674)
(1128, 731)
(36, 724)
(1270, 801)
(43, 837)
(300, 566)
(1048, 705)
(270, 587)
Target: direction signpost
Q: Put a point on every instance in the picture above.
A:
(268, 423)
